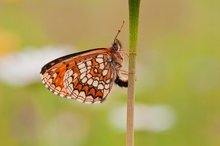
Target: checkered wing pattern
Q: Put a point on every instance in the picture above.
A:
(86, 76)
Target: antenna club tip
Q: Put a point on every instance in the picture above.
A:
(119, 30)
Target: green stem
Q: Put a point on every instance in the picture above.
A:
(133, 26)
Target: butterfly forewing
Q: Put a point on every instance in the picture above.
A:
(86, 76)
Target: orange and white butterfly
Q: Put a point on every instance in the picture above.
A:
(86, 76)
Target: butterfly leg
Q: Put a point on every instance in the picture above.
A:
(127, 53)
(124, 52)
(123, 72)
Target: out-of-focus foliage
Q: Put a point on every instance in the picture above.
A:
(178, 73)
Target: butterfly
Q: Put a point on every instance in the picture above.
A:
(86, 76)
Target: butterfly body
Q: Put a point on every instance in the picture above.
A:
(87, 76)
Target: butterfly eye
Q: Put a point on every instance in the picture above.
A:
(115, 47)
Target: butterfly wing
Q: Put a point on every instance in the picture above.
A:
(91, 80)
(86, 76)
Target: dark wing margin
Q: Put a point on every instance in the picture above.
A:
(58, 60)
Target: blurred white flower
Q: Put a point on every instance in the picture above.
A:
(24, 68)
(66, 128)
(155, 118)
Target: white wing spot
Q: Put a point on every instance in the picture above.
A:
(75, 75)
(82, 94)
(95, 70)
(75, 93)
(105, 93)
(99, 60)
(95, 83)
(50, 81)
(84, 79)
(101, 66)
(70, 87)
(47, 77)
(89, 63)
(100, 86)
(104, 72)
(108, 81)
(46, 74)
(81, 65)
(54, 75)
(89, 99)
(53, 69)
(69, 72)
(63, 92)
(82, 70)
(97, 100)
(89, 76)
(70, 79)
(58, 89)
(52, 86)
(82, 75)
(106, 86)
(100, 56)
(90, 81)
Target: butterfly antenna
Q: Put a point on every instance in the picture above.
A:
(119, 30)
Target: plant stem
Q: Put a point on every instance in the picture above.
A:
(133, 26)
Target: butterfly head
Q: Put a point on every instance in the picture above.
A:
(116, 45)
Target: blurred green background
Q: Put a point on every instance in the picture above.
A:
(178, 73)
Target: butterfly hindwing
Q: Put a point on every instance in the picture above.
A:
(91, 80)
